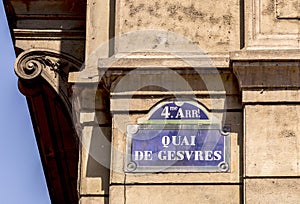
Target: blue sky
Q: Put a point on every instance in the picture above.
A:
(21, 176)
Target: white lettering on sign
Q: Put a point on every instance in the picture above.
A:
(143, 155)
(189, 155)
(165, 113)
(179, 113)
(177, 140)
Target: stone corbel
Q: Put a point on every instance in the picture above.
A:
(267, 76)
(36, 65)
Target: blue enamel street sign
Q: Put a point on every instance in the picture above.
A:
(177, 137)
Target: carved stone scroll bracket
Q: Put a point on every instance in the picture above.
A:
(36, 66)
(29, 67)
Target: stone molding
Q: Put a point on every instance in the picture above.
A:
(287, 9)
(50, 34)
(267, 69)
(271, 24)
(122, 63)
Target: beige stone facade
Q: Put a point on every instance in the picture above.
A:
(239, 59)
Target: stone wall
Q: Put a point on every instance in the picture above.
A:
(253, 46)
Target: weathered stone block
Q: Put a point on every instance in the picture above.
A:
(272, 138)
(97, 28)
(117, 195)
(91, 186)
(169, 194)
(272, 191)
(193, 194)
(93, 200)
(95, 160)
(218, 30)
(93, 99)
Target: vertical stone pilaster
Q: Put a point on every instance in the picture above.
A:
(94, 123)
(98, 27)
(271, 107)
(94, 117)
